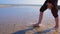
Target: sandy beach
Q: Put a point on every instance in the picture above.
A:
(14, 20)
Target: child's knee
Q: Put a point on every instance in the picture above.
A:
(55, 15)
(54, 12)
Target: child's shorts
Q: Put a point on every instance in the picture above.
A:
(54, 10)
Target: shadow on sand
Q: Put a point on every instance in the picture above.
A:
(24, 31)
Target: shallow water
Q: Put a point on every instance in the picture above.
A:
(15, 17)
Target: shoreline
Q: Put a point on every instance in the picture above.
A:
(9, 5)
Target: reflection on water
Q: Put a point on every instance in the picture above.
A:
(12, 18)
(20, 14)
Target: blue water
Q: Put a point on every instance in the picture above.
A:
(20, 14)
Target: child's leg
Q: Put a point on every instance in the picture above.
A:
(40, 19)
(57, 22)
(54, 11)
(42, 9)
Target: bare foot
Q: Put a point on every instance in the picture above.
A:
(36, 25)
(56, 27)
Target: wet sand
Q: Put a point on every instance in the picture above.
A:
(14, 20)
